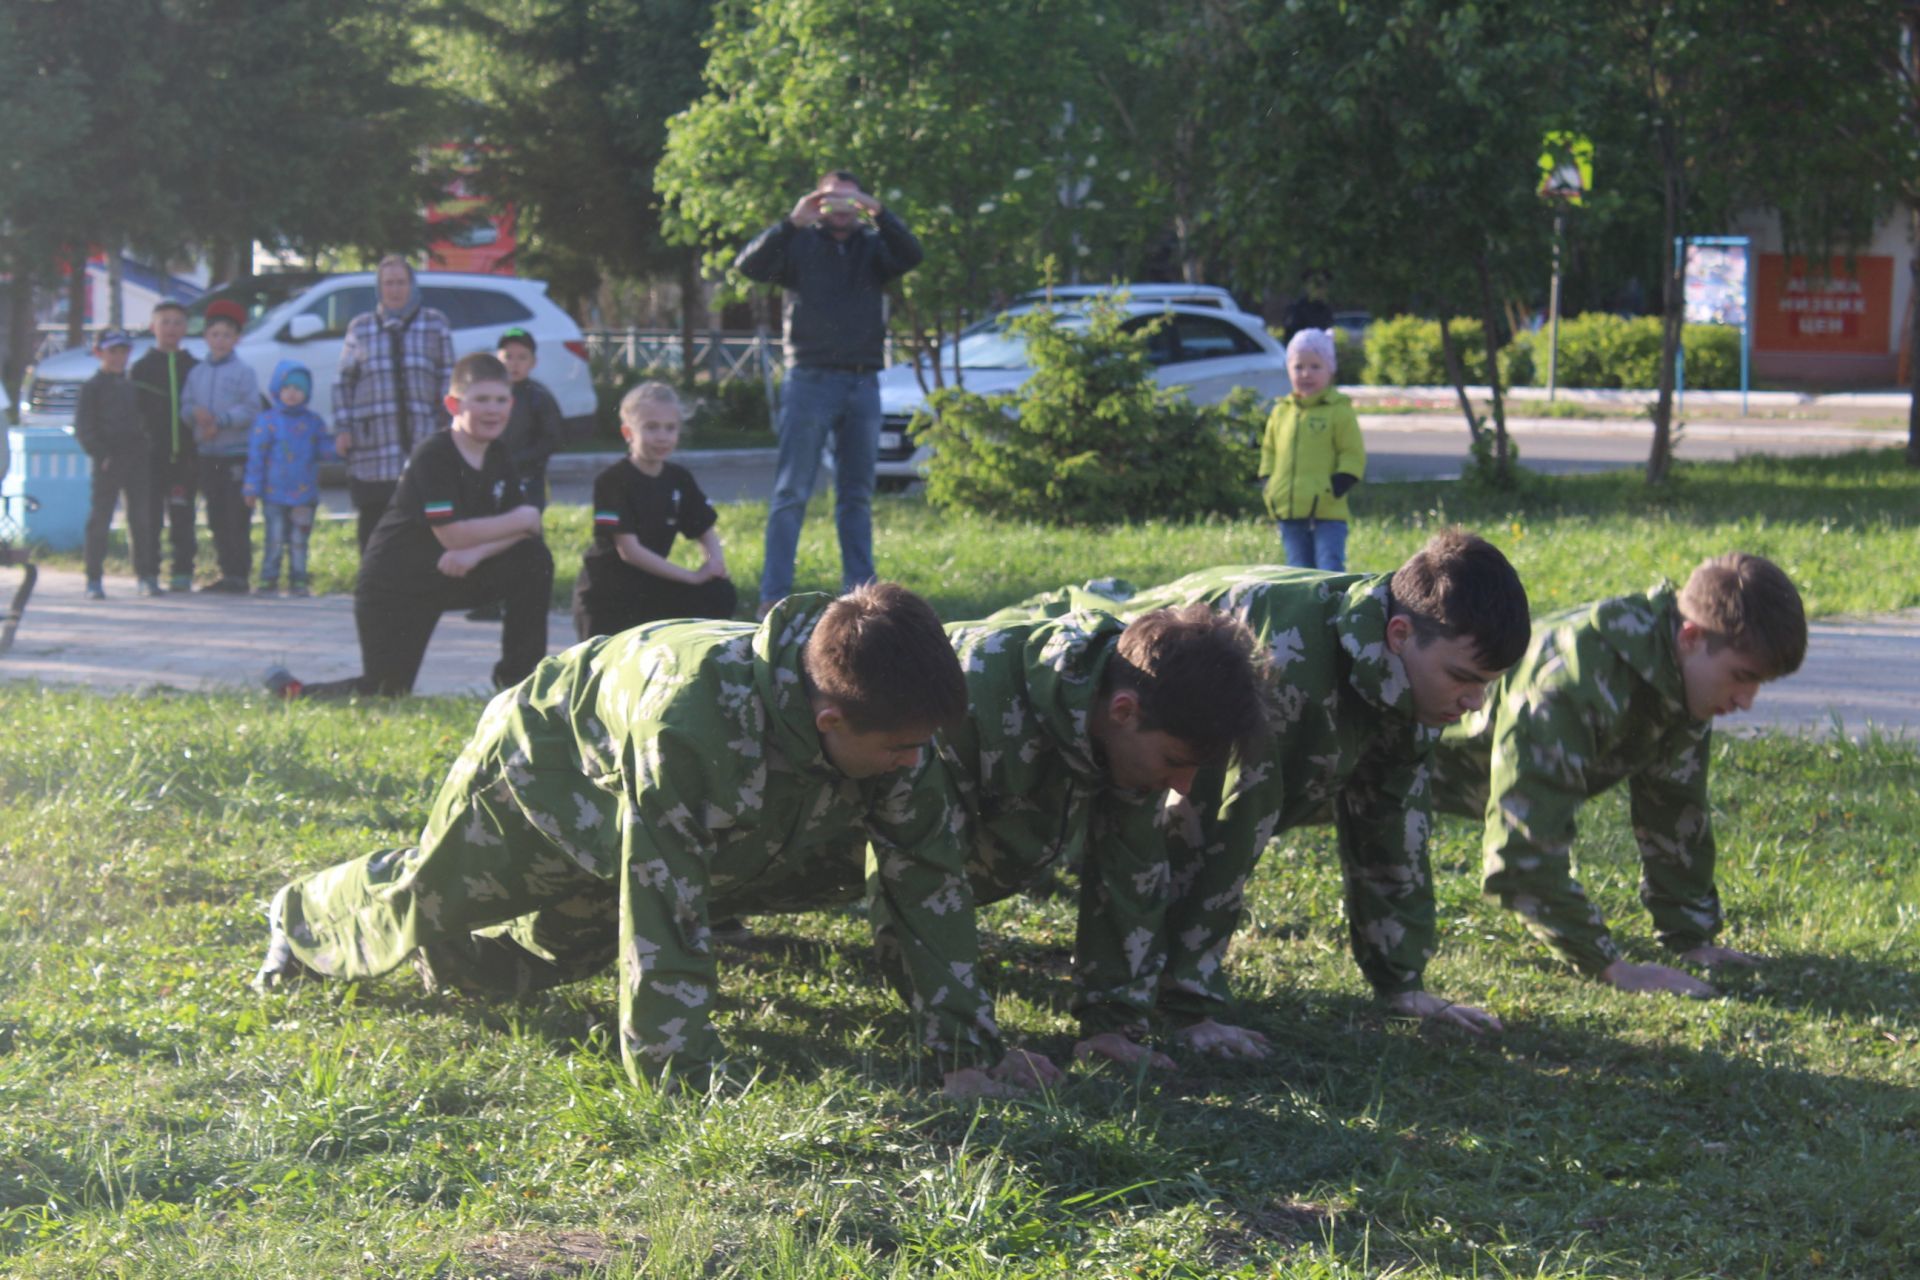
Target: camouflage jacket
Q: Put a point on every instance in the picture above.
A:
(708, 778)
(1598, 698)
(1029, 781)
(1344, 738)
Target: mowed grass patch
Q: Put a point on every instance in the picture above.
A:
(1843, 526)
(160, 1120)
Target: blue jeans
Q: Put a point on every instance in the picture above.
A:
(1315, 544)
(287, 530)
(812, 403)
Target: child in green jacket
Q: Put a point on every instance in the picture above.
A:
(1311, 456)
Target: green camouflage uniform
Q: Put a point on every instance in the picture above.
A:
(1034, 792)
(609, 805)
(1598, 698)
(1344, 738)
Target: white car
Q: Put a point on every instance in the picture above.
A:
(303, 316)
(1207, 349)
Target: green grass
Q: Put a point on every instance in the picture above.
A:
(1843, 526)
(156, 1119)
(159, 1120)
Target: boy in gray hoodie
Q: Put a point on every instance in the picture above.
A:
(221, 397)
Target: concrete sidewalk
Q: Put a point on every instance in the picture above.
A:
(1859, 673)
(201, 641)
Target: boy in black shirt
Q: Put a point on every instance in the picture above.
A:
(639, 504)
(457, 534)
(158, 377)
(108, 425)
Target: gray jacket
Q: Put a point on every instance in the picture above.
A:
(230, 391)
(835, 288)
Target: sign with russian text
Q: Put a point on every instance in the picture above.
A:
(1847, 310)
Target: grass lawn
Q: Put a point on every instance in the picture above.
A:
(160, 1120)
(1843, 526)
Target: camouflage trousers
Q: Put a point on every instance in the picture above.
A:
(484, 897)
(1387, 892)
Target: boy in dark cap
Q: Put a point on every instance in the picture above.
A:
(108, 425)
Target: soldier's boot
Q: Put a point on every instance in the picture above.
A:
(281, 968)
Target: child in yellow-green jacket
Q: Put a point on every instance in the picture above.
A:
(1311, 456)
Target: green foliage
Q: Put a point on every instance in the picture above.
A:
(1598, 349)
(1090, 438)
(942, 114)
(576, 95)
(1405, 351)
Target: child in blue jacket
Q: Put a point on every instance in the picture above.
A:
(284, 453)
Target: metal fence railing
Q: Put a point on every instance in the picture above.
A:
(720, 357)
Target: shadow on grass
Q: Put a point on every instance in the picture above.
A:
(1839, 986)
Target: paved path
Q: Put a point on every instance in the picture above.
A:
(1862, 672)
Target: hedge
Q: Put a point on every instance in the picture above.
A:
(1597, 349)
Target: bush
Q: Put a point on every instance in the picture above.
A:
(1600, 349)
(1090, 438)
(1404, 351)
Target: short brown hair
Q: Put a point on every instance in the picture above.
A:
(168, 304)
(1460, 585)
(1750, 603)
(1194, 672)
(480, 366)
(880, 655)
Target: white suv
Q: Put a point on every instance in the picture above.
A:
(303, 316)
(1206, 348)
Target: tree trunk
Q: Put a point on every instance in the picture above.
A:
(1672, 310)
(116, 289)
(1913, 361)
(689, 302)
(22, 336)
(1457, 373)
(76, 296)
(1489, 320)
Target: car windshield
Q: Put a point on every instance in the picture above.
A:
(992, 344)
(257, 295)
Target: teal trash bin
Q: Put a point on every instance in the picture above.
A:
(49, 466)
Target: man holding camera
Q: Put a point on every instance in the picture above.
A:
(833, 255)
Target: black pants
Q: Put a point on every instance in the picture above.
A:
(114, 475)
(396, 621)
(603, 613)
(229, 519)
(371, 499)
(172, 486)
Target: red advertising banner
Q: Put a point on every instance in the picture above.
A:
(1845, 311)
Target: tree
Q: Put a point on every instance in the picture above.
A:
(941, 111)
(1733, 124)
(1398, 146)
(573, 99)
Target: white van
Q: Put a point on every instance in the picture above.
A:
(303, 316)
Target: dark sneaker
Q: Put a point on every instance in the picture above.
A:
(267, 589)
(151, 587)
(94, 590)
(280, 968)
(227, 586)
(182, 582)
(279, 682)
(298, 591)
